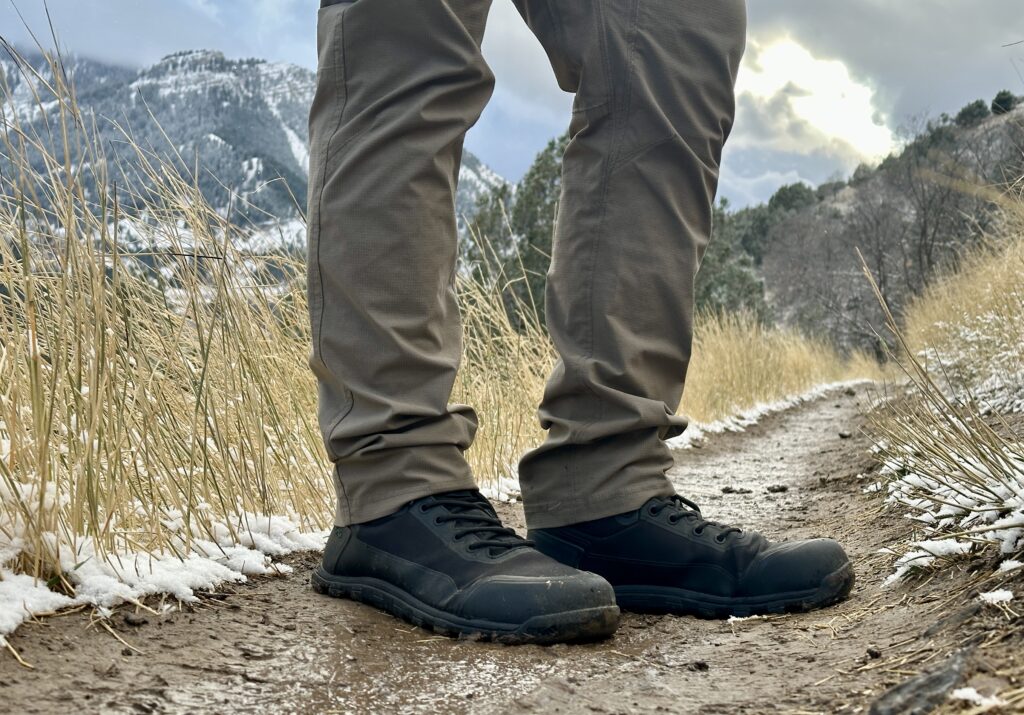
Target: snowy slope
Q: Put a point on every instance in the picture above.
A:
(244, 122)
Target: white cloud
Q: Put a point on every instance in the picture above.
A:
(521, 66)
(207, 7)
(792, 101)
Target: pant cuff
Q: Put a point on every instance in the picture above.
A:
(552, 514)
(359, 513)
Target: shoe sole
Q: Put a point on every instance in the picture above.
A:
(663, 599)
(586, 624)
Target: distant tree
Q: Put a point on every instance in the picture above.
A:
(861, 174)
(972, 114)
(489, 237)
(829, 189)
(727, 281)
(515, 228)
(793, 197)
(1004, 102)
(753, 226)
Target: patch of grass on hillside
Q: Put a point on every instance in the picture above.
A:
(969, 326)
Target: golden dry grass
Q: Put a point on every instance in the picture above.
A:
(739, 362)
(970, 324)
(952, 458)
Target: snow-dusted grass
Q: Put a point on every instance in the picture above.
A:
(968, 328)
(951, 457)
(180, 569)
(155, 407)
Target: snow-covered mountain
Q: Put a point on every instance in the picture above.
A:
(243, 122)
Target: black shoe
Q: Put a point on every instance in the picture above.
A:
(666, 558)
(446, 563)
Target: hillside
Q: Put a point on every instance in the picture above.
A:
(243, 121)
(793, 261)
(912, 217)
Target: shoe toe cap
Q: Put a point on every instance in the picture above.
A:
(794, 566)
(515, 599)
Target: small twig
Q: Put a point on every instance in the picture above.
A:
(125, 643)
(17, 656)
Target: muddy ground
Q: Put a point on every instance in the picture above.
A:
(275, 646)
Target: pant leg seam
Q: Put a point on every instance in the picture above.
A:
(618, 125)
(343, 88)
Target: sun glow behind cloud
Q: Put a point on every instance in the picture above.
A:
(791, 101)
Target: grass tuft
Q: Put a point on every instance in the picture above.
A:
(951, 450)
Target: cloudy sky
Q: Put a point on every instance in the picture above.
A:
(825, 85)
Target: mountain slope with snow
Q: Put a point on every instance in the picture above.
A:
(243, 123)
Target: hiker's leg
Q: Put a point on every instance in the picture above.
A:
(399, 83)
(654, 104)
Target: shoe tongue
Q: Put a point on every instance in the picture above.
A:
(469, 507)
(469, 500)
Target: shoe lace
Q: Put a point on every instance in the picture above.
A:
(683, 508)
(473, 515)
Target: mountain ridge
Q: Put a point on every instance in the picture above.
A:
(244, 122)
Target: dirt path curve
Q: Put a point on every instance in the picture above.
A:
(275, 646)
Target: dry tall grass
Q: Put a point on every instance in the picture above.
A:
(952, 450)
(146, 395)
(739, 363)
(970, 324)
(150, 399)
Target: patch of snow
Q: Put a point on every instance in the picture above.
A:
(240, 548)
(505, 489)
(975, 698)
(1010, 565)
(1001, 595)
(21, 597)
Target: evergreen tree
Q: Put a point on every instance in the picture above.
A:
(972, 114)
(1004, 102)
(516, 229)
(727, 282)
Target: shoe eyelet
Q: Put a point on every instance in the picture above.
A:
(720, 539)
(653, 510)
(698, 530)
(423, 508)
(437, 521)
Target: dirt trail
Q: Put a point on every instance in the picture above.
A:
(275, 646)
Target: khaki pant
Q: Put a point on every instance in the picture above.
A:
(399, 83)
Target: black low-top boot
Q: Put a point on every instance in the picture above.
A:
(666, 558)
(446, 563)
